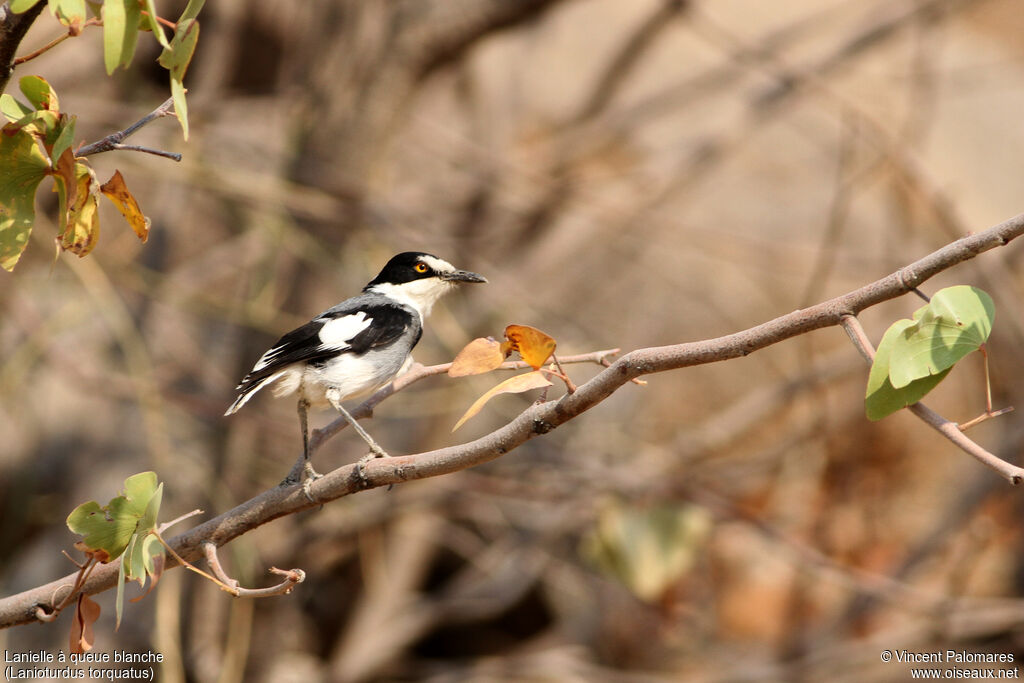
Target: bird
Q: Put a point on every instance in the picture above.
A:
(355, 347)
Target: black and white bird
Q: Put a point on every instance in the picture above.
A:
(357, 346)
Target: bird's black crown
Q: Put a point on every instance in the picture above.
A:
(406, 267)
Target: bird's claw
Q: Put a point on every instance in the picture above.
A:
(374, 453)
(309, 475)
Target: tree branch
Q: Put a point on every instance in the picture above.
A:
(950, 430)
(13, 28)
(114, 140)
(538, 419)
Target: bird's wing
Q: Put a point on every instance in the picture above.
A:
(342, 329)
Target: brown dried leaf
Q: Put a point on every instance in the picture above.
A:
(534, 346)
(116, 190)
(513, 385)
(477, 357)
(87, 611)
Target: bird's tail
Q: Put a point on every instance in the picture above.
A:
(248, 388)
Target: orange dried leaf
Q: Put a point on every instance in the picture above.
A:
(87, 611)
(513, 385)
(534, 346)
(116, 190)
(477, 357)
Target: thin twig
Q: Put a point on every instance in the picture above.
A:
(949, 429)
(166, 525)
(987, 415)
(147, 150)
(569, 385)
(418, 372)
(70, 33)
(291, 577)
(114, 140)
(188, 565)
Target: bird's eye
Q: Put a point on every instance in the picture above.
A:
(420, 267)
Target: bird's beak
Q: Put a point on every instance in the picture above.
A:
(463, 276)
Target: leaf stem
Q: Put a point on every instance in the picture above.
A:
(70, 33)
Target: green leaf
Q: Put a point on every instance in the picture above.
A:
(915, 355)
(882, 398)
(954, 323)
(120, 32)
(192, 10)
(176, 59)
(64, 139)
(154, 25)
(112, 528)
(20, 6)
(69, 12)
(12, 109)
(22, 168)
(39, 93)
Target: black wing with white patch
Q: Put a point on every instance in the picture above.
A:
(388, 324)
(337, 331)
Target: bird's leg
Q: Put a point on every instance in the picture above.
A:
(375, 450)
(308, 475)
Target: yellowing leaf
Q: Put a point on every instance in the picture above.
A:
(83, 223)
(513, 385)
(87, 611)
(477, 357)
(117, 192)
(22, 167)
(534, 346)
(39, 93)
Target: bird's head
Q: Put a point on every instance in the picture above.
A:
(419, 279)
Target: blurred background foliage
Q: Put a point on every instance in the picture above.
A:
(625, 174)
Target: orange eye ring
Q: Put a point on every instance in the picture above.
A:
(420, 267)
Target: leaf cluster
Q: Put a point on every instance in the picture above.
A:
(123, 21)
(37, 140)
(35, 144)
(485, 354)
(124, 528)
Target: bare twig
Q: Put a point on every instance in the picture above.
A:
(224, 586)
(291, 577)
(70, 33)
(541, 418)
(987, 415)
(167, 525)
(114, 140)
(570, 386)
(950, 430)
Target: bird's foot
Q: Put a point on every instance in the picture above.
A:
(375, 452)
(309, 475)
